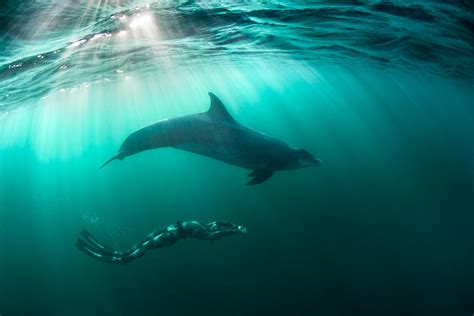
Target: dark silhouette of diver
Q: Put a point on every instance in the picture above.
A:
(163, 237)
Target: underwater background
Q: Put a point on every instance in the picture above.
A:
(382, 92)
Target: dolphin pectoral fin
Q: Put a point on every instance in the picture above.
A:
(108, 161)
(260, 175)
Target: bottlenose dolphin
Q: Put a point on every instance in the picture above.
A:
(216, 134)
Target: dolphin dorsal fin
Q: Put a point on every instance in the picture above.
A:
(218, 110)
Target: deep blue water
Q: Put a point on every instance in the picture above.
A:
(381, 91)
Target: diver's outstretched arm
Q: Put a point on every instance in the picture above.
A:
(215, 230)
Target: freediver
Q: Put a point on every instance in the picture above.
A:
(160, 238)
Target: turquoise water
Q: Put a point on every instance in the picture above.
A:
(381, 92)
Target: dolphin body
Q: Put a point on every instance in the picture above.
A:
(216, 134)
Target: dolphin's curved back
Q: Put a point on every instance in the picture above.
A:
(218, 111)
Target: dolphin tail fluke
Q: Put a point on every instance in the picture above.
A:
(117, 156)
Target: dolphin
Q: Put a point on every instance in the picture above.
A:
(217, 135)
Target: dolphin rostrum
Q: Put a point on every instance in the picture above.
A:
(216, 134)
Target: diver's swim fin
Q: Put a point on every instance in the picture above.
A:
(86, 248)
(94, 243)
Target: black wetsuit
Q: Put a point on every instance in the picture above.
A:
(160, 238)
